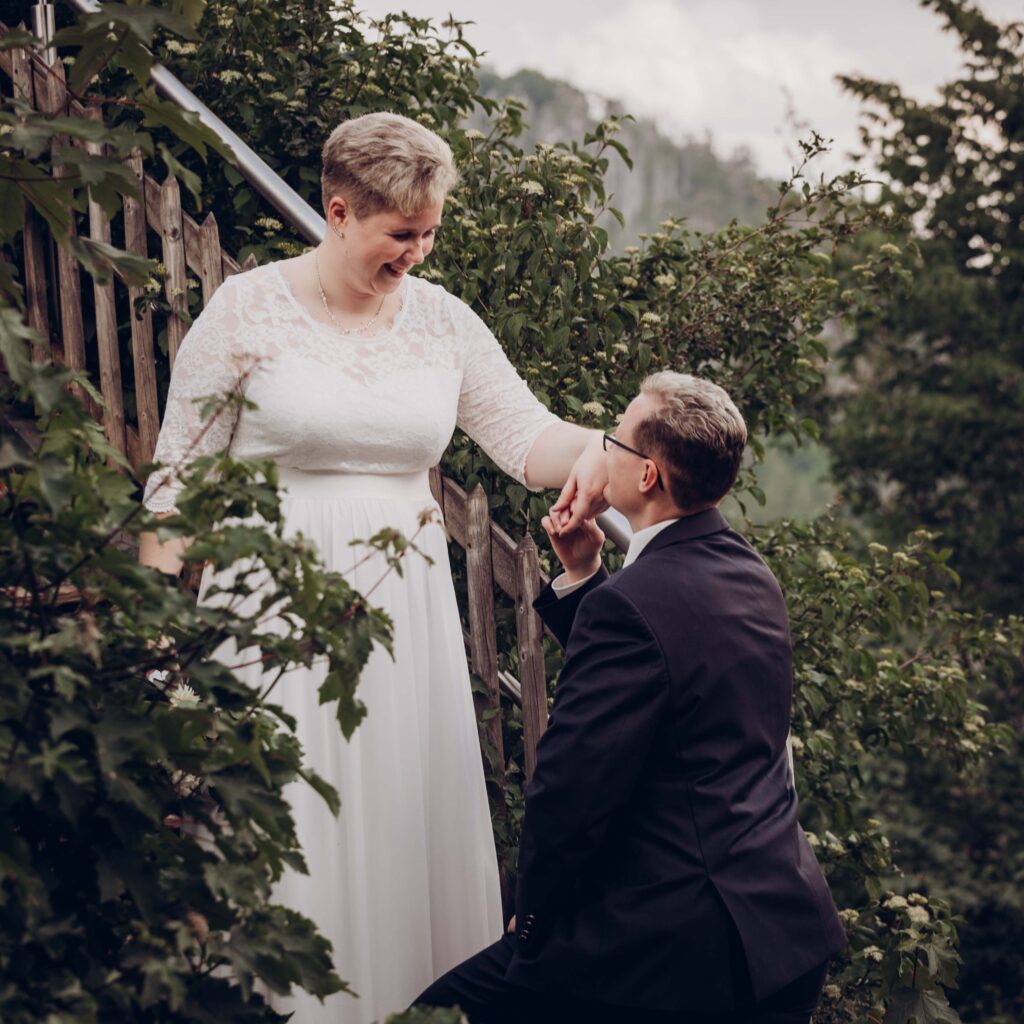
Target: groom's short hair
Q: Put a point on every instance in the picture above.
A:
(697, 435)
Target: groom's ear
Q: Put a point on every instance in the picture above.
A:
(649, 480)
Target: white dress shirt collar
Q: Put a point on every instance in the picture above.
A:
(643, 537)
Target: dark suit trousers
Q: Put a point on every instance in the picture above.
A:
(479, 987)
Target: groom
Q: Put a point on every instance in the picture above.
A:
(663, 874)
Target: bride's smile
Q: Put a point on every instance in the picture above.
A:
(375, 252)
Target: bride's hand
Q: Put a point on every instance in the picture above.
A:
(582, 496)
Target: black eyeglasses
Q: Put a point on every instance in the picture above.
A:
(618, 444)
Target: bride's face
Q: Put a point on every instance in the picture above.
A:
(380, 248)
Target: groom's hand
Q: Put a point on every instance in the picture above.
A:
(578, 548)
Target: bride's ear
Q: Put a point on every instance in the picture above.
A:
(338, 213)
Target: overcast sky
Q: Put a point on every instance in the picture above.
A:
(729, 67)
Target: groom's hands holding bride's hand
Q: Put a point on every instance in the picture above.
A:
(582, 496)
(578, 548)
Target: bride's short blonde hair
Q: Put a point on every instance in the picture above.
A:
(385, 161)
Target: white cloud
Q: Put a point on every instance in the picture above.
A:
(728, 67)
(684, 69)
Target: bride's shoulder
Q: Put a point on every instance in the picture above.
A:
(249, 294)
(437, 302)
(244, 282)
(257, 279)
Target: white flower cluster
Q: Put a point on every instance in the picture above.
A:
(183, 696)
(918, 915)
(184, 783)
(185, 49)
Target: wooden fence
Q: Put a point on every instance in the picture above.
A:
(56, 308)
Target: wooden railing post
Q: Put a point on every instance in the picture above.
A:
(147, 406)
(35, 241)
(106, 320)
(483, 649)
(211, 273)
(53, 100)
(483, 642)
(529, 634)
(174, 261)
(437, 486)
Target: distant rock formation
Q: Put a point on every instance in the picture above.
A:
(670, 179)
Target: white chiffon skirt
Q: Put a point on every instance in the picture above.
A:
(404, 881)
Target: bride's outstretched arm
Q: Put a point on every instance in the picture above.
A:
(499, 411)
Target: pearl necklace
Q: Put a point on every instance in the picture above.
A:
(327, 309)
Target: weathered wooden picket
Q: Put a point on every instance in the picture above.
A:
(55, 308)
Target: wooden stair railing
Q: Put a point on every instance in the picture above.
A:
(54, 301)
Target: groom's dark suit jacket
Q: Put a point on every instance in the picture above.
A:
(661, 822)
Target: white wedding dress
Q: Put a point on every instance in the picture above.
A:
(404, 881)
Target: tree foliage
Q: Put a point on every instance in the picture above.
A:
(932, 432)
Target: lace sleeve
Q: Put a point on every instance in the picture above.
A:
(208, 365)
(496, 408)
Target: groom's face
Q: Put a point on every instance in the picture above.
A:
(630, 476)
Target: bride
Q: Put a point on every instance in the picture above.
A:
(359, 373)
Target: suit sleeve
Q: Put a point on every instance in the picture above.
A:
(559, 613)
(610, 700)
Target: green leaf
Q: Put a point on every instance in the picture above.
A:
(188, 178)
(18, 39)
(907, 1006)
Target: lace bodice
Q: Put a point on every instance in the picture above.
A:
(386, 403)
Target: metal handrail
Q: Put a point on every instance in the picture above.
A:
(299, 214)
(44, 25)
(295, 210)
